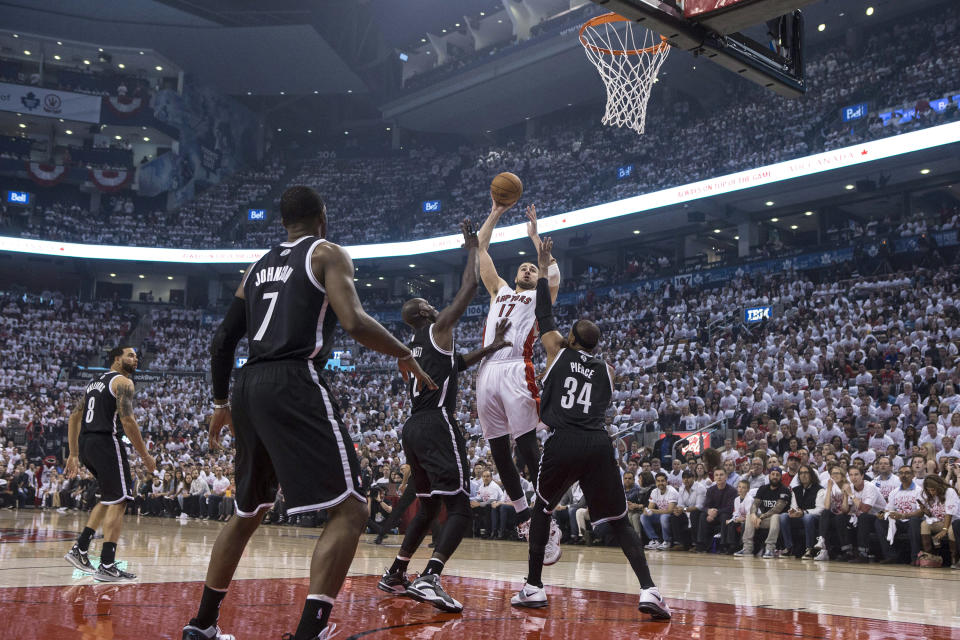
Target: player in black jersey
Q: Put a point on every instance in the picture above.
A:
(103, 415)
(287, 426)
(577, 389)
(433, 441)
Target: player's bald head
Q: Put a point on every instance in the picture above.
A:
(410, 312)
(585, 334)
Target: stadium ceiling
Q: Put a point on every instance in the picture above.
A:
(235, 46)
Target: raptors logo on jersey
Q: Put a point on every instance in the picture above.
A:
(519, 308)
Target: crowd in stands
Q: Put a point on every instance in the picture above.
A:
(572, 161)
(837, 411)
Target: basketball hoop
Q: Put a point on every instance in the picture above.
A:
(628, 64)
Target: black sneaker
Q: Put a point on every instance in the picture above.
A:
(112, 574)
(394, 583)
(191, 632)
(80, 560)
(427, 588)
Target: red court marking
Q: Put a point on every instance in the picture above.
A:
(265, 609)
(20, 534)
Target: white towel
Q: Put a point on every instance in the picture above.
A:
(891, 529)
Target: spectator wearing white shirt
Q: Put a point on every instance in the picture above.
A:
(866, 504)
(939, 504)
(685, 517)
(663, 498)
(903, 511)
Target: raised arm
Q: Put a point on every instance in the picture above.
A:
(125, 393)
(443, 327)
(486, 229)
(333, 268)
(553, 269)
(551, 338)
(488, 272)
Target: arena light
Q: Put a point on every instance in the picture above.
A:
(820, 163)
(794, 227)
(822, 27)
(23, 126)
(849, 187)
(521, 253)
(716, 230)
(142, 276)
(769, 203)
(68, 132)
(736, 237)
(869, 11)
(146, 139)
(86, 62)
(121, 65)
(808, 213)
(56, 57)
(636, 232)
(26, 52)
(113, 275)
(433, 279)
(59, 43)
(924, 171)
(158, 68)
(774, 219)
(169, 277)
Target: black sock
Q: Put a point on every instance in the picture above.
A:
(399, 565)
(434, 567)
(633, 548)
(316, 613)
(109, 553)
(83, 542)
(539, 532)
(209, 608)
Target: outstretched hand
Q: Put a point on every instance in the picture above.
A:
(532, 223)
(410, 367)
(498, 340)
(470, 240)
(544, 255)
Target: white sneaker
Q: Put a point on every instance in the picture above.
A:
(552, 552)
(653, 603)
(823, 555)
(768, 555)
(663, 546)
(523, 530)
(821, 543)
(530, 597)
(328, 632)
(653, 545)
(740, 553)
(191, 632)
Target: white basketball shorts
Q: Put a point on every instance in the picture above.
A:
(508, 400)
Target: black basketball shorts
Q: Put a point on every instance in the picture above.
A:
(106, 458)
(571, 455)
(436, 453)
(289, 431)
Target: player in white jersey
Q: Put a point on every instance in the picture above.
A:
(508, 401)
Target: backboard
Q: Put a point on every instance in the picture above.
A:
(711, 29)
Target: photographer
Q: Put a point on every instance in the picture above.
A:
(380, 510)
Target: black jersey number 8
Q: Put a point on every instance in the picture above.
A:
(571, 397)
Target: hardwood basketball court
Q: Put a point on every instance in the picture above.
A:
(592, 591)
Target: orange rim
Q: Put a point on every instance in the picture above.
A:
(616, 17)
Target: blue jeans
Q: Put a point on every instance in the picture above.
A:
(649, 524)
(811, 523)
(500, 518)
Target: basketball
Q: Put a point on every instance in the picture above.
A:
(506, 188)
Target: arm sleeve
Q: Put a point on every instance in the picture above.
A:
(544, 309)
(553, 275)
(224, 344)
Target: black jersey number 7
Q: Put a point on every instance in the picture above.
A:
(272, 297)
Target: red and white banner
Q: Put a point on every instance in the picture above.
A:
(124, 105)
(109, 179)
(46, 174)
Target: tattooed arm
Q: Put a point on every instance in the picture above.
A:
(125, 393)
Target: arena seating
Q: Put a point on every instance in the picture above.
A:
(846, 342)
(572, 161)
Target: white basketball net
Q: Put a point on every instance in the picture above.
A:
(628, 63)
